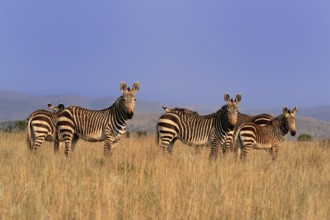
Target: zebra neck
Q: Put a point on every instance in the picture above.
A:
(282, 124)
(222, 118)
(117, 110)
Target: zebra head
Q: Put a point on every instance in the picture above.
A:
(232, 108)
(290, 119)
(57, 109)
(128, 98)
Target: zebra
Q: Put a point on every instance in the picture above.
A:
(107, 125)
(194, 129)
(41, 126)
(260, 120)
(269, 137)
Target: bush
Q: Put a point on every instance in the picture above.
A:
(18, 126)
(141, 134)
(305, 137)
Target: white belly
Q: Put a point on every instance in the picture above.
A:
(96, 137)
(261, 146)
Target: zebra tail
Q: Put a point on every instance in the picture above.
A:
(235, 137)
(56, 140)
(29, 135)
(157, 136)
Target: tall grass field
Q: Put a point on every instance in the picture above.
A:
(140, 182)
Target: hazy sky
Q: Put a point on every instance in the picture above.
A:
(274, 52)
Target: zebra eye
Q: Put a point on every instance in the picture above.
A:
(134, 100)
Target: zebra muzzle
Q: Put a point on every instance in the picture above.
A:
(130, 115)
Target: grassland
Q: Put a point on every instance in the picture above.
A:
(139, 182)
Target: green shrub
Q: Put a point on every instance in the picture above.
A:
(141, 134)
(305, 137)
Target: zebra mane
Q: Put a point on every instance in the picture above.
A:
(223, 108)
(184, 110)
(114, 104)
(281, 121)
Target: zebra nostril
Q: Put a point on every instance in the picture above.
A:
(293, 133)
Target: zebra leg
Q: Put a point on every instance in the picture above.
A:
(68, 143)
(245, 150)
(37, 143)
(238, 153)
(213, 153)
(58, 146)
(228, 145)
(109, 146)
(246, 145)
(274, 151)
(197, 149)
(74, 141)
(214, 150)
(215, 145)
(167, 143)
(170, 146)
(239, 146)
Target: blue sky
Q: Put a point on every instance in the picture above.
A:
(274, 53)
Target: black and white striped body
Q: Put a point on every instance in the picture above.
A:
(260, 120)
(270, 136)
(41, 126)
(107, 125)
(194, 129)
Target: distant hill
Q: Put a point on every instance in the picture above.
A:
(317, 128)
(319, 112)
(17, 106)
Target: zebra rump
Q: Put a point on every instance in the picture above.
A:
(41, 126)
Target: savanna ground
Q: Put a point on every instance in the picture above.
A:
(139, 182)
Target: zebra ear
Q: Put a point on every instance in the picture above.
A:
(136, 86)
(285, 110)
(123, 86)
(295, 109)
(51, 107)
(238, 98)
(60, 107)
(227, 97)
(166, 109)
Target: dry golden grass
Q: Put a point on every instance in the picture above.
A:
(139, 182)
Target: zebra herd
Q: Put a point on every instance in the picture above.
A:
(226, 129)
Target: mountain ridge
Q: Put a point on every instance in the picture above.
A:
(17, 106)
